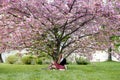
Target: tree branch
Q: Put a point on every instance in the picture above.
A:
(66, 45)
(88, 35)
(81, 25)
(71, 7)
(70, 52)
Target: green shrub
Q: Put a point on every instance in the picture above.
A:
(46, 61)
(43, 60)
(12, 59)
(82, 61)
(70, 63)
(39, 61)
(29, 59)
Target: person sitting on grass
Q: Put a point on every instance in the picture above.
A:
(59, 65)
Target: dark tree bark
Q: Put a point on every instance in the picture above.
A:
(110, 54)
(1, 61)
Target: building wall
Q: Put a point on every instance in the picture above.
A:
(98, 56)
(6, 54)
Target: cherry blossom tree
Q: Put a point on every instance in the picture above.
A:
(58, 26)
(108, 34)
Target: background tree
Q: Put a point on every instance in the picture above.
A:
(109, 36)
(57, 27)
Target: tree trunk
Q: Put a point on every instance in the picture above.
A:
(110, 54)
(1, 61)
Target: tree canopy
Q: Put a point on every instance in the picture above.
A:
(58, 26)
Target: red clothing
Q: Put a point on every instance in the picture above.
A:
(58, 66)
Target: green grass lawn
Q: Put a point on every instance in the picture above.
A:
(94, 71)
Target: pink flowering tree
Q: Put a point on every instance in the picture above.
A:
(58, 26)
(108, 38)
